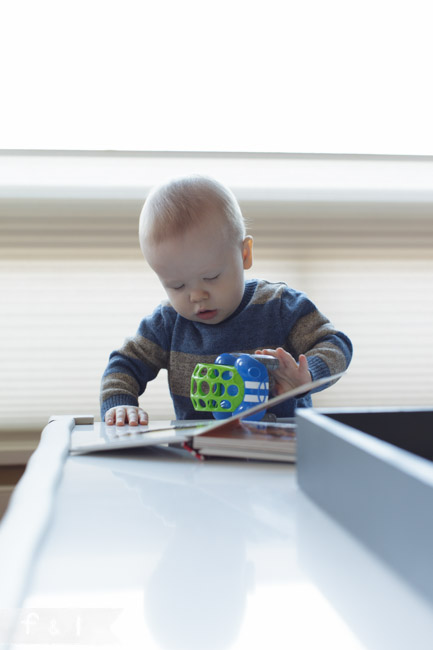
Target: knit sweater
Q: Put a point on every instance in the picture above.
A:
(270, 315)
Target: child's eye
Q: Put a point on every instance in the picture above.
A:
(213, 278)
(178, 288)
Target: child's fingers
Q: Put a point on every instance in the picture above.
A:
(303, 362)
(285, 358)
(136, 416)
(267, 351)
(131, 416)
(304, 370)
(110, 416)
(290, 372)
(121, 414)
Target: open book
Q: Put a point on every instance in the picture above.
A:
(246, 439)
(232, 437)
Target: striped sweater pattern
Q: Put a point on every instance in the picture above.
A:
(270, 315)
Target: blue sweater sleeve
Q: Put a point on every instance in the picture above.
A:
(328, 350)
(138, 361)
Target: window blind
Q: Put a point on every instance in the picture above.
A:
(73, 285)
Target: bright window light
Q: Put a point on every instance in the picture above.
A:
(341, 76)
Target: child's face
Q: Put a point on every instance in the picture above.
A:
(202, 271)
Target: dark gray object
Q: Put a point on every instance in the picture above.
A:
(372, 470)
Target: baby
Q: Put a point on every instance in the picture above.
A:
(192, 234)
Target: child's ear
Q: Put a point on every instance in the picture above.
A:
(247, 252)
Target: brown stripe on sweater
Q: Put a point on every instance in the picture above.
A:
(138, 347)
(118, 383)
(266, 291)
(308, 331)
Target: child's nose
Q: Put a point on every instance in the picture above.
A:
(197, 295)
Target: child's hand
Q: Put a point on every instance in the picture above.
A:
(121, 415)
(290, 374)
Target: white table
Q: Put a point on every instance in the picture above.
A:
(151, 548)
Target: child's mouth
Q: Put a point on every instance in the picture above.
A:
(207, 314)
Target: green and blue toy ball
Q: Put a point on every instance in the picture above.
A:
(234, 383)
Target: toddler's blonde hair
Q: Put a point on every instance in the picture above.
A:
(182, 203)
